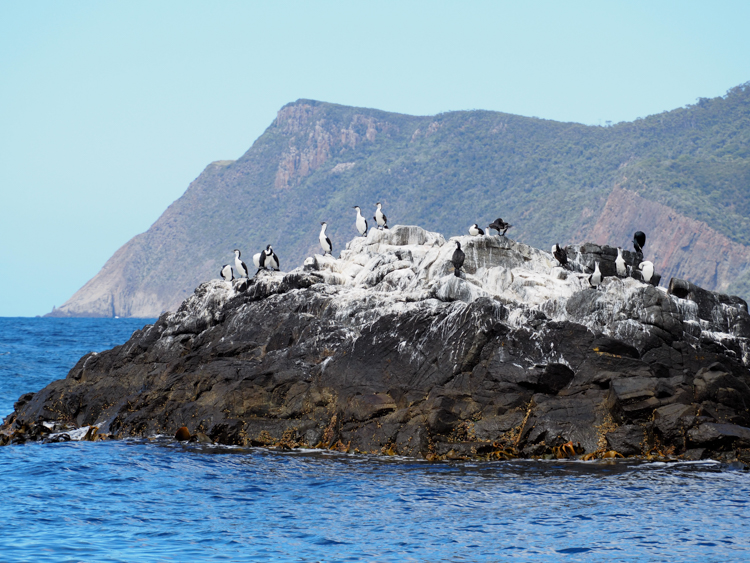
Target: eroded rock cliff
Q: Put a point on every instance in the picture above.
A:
(385, 350)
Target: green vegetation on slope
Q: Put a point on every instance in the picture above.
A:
(445, 172)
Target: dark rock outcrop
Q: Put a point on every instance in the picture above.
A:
(385, 350)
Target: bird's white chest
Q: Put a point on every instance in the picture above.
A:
(620, 265)
(238, 265)
(324, 240)
(648, 271)
(361, 224)
(596, 277)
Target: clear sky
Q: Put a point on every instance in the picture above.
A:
(108, 110)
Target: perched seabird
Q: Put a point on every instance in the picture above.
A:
(560, 254)
(226, 272)
(325, 242)
(240, 265)
(500, 225)
(474, 230)
(647, 270)
(622, 268)
(380, 217)
(268, 259)
(361, 222)
(458, 259)
(595, 279)
(639, 241)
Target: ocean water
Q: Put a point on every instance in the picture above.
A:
(140, 500)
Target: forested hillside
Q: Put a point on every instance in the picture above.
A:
(682, 176)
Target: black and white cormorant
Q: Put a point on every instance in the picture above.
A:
(458, 259)
(268, 259)
(595, 279)
(226, 272)
(500, 225)
(240, 265)
(380, 218)
(474, 230)
(560, 254)
(325, 242)
(361, 222)
(647, 270)
(622, 267)
(639, 241)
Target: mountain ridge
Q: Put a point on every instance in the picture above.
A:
(552, 180)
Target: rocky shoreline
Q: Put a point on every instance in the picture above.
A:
(386, 351)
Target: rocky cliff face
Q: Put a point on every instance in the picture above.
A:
(386, 350)
(679, 246)
(556, 182)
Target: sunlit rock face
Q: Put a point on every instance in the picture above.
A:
(386, 350)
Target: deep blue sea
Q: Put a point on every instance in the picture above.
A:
(160, 501)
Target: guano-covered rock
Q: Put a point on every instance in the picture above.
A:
(385, 350)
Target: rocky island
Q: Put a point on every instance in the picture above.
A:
(384, 350)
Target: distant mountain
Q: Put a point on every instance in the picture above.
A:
(681, 176)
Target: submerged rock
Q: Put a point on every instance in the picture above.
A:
(385, 350)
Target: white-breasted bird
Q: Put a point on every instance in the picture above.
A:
(240, 265)
(647, 270)
(226, 272)
(595, 279)
(474, 230)
(325, 242)
(361, 222)
(380, 217)
(268, 259)
(622, 268)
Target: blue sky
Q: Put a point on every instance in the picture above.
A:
(108, 110)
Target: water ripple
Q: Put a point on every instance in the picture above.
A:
(160, 501)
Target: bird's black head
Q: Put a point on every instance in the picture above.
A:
(269, 249)
(238, 252)
(323, 223)
(458, 245)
